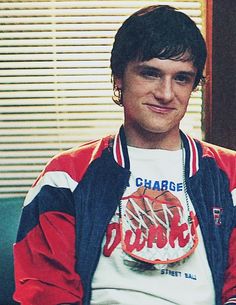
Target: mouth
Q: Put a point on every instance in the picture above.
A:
(159, 108)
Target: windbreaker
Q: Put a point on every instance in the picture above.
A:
(69, 207)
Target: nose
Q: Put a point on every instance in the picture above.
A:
(163, 91)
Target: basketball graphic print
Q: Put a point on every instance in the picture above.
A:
(147, 207)
(154, 227)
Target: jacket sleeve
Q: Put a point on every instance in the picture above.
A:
(229, 289)
(44, 253)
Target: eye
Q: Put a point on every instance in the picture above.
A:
(183, 79)
(150, 73)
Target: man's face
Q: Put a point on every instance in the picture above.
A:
(155, 98)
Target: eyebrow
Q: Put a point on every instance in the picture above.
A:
(189, 73)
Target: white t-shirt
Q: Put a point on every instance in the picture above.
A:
(154, 213)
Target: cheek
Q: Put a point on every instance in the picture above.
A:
(183, 97)
(132, 93)
(136, 90)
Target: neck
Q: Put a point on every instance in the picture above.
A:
(151, 140)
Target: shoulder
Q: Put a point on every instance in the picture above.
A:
(220, 154)
(66, 169)
(223, 157)
(75, 161)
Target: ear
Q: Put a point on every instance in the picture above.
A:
(118, 82)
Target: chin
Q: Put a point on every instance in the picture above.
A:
(159, 129)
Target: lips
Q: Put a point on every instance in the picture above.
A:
(159, 109)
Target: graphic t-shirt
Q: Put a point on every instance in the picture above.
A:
(153, 252)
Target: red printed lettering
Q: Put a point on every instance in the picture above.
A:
(177, 232)
(112, 238)
(137, 244)
(158, 234)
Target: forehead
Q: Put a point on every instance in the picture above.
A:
(164, 65)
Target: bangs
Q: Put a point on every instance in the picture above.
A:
(175, 52)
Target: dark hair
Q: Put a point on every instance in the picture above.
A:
(158, 31)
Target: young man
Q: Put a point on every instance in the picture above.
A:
(146, 216)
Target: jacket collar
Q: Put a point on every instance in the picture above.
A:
(191, 147)
(120, 151)
(192, 154)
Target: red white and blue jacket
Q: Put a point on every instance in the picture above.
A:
(69, 207)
